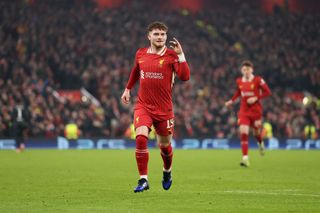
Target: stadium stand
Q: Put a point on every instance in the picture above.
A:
(48, 46)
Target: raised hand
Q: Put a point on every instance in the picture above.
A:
(176, 46)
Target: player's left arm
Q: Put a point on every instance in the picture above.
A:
(182, 68)
(265, 92)
(264, 88)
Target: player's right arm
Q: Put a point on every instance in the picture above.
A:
(234, 97)
(125, 98)
(134, 77)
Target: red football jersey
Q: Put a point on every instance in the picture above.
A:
(156, 73)
(250, 88)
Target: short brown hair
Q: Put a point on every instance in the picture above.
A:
(247, 63)
(157, 25)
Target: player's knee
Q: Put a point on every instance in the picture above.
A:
(164, 140)
(142, 135)
(244, 130)
(256, 132)
(257, 124)
(164, 143)
(142, 130)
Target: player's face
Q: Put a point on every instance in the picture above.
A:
(246, 71)
(157, 38)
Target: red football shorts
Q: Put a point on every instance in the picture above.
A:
(144, 118)
(248, 119)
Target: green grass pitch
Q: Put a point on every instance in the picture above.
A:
(203, 181)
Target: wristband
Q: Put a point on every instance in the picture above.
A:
(182, 58)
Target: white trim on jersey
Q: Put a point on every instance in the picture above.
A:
(161, 52)
(173, 77)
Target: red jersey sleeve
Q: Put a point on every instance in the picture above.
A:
(135, 73)
(183, 71)
(236, 93)
(181, 68)
(264, 88)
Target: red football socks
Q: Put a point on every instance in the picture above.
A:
(166, 154)
(244, 144)
(142, 154)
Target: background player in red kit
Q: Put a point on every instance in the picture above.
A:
(252, 89)
(156, 67)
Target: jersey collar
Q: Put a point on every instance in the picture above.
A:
(249, 80)
(161, 52)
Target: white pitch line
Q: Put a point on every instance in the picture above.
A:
(287, 190)
(268, 193)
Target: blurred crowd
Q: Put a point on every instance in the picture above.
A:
(53, 45)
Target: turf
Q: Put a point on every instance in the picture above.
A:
(204, 181)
